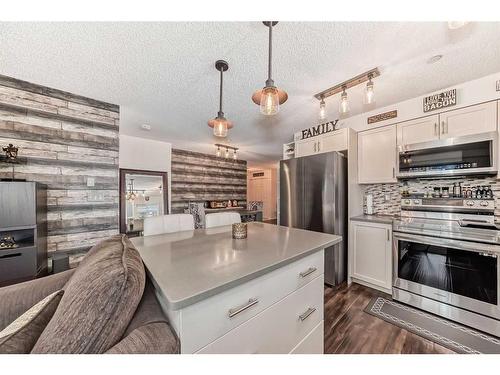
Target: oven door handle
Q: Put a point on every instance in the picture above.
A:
(492, 250)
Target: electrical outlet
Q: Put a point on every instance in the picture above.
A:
(90, 181)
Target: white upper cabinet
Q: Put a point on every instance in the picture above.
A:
(306, 147)
(377, 155)
(334, 141)
(470, 120)
(419, 130)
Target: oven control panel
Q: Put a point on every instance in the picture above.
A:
(448, 203)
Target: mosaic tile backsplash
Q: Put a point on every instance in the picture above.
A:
(387, 197)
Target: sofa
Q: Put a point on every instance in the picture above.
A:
(108, 305)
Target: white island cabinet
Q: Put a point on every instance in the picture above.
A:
(263, 294)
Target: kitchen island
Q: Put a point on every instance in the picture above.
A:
(263, 294)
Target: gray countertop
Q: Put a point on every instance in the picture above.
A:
(380, 219)
(190, 266)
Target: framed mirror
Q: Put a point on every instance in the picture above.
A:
(142, 194)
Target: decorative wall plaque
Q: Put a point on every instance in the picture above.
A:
(441, 100)
(382, 116)
(314, 131)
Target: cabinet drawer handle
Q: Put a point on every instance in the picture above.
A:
(442, 127)
(305, 315)
(308, 271)
(237, 310)
(318, 145)
(436, 129)
(314, 146)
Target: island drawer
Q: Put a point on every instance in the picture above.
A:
(203, 322)
(279, 328)
(313, 343)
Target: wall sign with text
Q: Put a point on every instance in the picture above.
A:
(382, 116)
(441, 100)
(314, 131)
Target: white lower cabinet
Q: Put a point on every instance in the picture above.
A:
(313, 343)
(371, 258)
(278, 329)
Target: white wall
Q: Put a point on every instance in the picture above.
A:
(468, 93)
(147, 154)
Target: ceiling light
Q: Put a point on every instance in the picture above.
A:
(220, 124)
(369, 93)
(344, 104)
(434, 59)
(322, 109)
(226, 155)
(270, 97)
(454, 25)
(146, 127)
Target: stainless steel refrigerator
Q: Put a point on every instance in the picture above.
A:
(313, 196)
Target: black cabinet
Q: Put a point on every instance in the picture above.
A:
(23, 231)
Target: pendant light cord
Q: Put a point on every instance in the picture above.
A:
(220, 92)
(269, 71)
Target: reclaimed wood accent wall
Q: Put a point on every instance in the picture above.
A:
(65, 141)
(198, 177)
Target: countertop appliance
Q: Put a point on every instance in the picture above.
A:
(467, 155)
(313, 196)
(446, 254)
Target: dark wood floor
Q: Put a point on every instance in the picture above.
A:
(349, 330)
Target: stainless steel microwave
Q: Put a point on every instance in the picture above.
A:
(467, 155)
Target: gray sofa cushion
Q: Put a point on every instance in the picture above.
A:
(99, 300)
(20, 336)
(151, 338)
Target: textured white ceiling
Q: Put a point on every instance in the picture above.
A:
(162, 74)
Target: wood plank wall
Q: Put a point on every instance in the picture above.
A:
(198, 177)
(63, 140)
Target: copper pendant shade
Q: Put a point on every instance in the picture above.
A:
(270, 97)
(220, 124)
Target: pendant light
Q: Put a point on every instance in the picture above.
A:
(322, 109)
(344, 104)
(369, 93)
(226, 155)
(217, 153)
(235, 157)
(220, 124)
(270, 97)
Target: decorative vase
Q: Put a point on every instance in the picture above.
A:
(239, 231)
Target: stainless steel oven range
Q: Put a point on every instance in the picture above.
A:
(446, 254)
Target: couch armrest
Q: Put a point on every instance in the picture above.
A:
(16, 299)
(152, 338)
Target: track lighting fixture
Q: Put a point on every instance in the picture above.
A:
(322, 109)
(227, 153)
(344, 104)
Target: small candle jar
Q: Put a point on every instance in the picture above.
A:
(239, 231)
